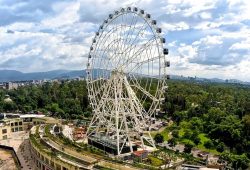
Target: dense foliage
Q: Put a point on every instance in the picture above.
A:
(65, 100)
(213, 116)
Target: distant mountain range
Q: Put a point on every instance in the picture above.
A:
(13, 75)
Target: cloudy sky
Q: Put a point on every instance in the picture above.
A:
(206, 38)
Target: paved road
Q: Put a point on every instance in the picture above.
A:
(24, 155)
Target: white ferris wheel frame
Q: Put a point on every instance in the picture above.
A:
(117, 109)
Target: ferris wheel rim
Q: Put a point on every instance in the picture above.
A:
(138, 12)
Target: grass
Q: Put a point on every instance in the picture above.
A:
(203, 138)
(164, 133)
(182, 139)
(186, 141)
(201, 146)
(155, 161)
(181, 132)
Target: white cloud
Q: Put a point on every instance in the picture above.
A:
(175, 27)
(67, 14)
(243, 45)
(187, 52)
(37, 36)
(205, 15)
(209, 40)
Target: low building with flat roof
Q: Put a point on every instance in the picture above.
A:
(10, 122)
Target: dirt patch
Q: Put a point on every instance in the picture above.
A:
(7, 161)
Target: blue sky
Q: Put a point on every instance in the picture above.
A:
(206, 38)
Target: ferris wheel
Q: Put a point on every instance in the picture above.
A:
(126, 79)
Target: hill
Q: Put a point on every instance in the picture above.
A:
(13, 75)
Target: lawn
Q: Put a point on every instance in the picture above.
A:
(155, 161)
(203, 137)
(181, 132)
(164, 133)
(201, 146)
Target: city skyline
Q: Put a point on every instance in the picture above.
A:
(206, 39)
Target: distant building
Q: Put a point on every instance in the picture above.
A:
(2, 86)
(11, 86)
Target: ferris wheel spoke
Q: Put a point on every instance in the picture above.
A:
(139, 44)
(146, 93)
(100, 89)
(103, 40)
(138, 52)
(139, 64)
(131, 31)
(143, 46)
(138, 33)
(138, 86)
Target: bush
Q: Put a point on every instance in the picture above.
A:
(155, 161)
(188, 148)
(220, 147)
(172, 142)
(197, 140)
(175, 133)
(187, 134)
(208, 144)
(177, 151)
(159, 138)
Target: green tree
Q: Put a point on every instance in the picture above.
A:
(175, 133)
(9, 106)
(188, 147)
(172, 142)
(187, 133)
(220, 147)
(159, 138)
(196, 140)
(208, 144)
(246, 122)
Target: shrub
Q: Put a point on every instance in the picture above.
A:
(172, 142)
(208, 144)
(188, 148)
(197, 140)
(175, 133)
(159, 138)
(220, 147)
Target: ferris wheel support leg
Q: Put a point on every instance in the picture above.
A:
(142, 143)
(116, 118)
(151, 139)
(128, 135)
